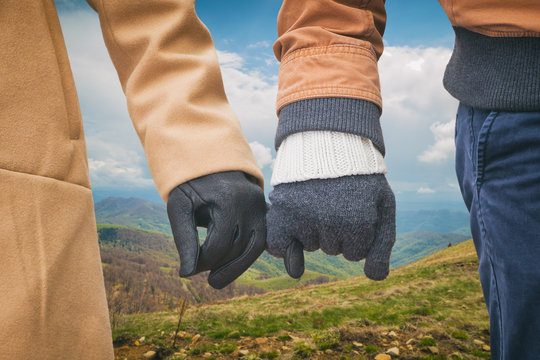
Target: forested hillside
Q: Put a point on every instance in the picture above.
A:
(141, 273)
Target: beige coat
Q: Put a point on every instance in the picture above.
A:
(52, 298)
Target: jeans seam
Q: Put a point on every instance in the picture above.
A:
(481, 143)
(488, 253)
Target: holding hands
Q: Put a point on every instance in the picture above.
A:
(353, 215)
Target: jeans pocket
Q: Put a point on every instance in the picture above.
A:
(481, 145)
(464, 134)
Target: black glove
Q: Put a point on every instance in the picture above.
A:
(232, 207)
(352, 215)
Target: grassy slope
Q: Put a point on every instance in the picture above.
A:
(413, 246)
(438, 298)
(409, 247)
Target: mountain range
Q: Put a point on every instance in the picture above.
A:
(135, 234)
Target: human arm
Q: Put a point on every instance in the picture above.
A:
(330, 197)
(167, 66)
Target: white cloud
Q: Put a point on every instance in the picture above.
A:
(110, 172)
(230, 59)
(262, 154)
(444, 146)
(116, 164)
(425, 190)
(116, 157)
(453, 184)
(414, 103)
(252, 96)
(411, 80)
(416, 65)
(259, 44)
(271, 61)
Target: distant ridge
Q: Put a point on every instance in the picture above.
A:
(133, 212)
(144, 214)
(125, 224)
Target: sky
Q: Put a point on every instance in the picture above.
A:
(418, 115)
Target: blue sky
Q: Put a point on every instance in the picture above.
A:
(411, 22)
(417, 118)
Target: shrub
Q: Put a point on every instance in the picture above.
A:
(303, 350)
(427, 341)
(228, 348)
(371, 349)
(283, 337)
(460, 334)
(268, 355)
(326, 339)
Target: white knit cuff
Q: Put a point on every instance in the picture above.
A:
(323, 155)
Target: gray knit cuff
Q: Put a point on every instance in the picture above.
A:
(495, 73)
(355, 116)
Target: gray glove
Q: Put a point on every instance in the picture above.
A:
(233, 208)
(353, 215)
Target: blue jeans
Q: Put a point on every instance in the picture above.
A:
(498, 170)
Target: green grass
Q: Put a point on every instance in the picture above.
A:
(228, 348)
(303, 350)
(371, 349)
(440, 293)
(166, 269)
(268, 355)
(460, 334)
(391, 302)
(251, 277)
(480, 353)
(284, 337)
(326, 339)
(427, 341)
(198, 350)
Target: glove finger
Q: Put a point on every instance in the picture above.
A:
(222, 233)
(311, 240)
(329, 240)
(186, 238)
(227, 273)
(357, 244)
(294, 259)
(378, 259)
(278, 232)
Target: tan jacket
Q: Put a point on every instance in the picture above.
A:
(330, 48)
(52, 303)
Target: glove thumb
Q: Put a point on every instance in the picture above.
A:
(294, 259)
(377, 264)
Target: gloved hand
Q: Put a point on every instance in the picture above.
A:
(233, 209)
(353, 215)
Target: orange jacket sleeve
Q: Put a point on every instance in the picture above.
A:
(329, 48)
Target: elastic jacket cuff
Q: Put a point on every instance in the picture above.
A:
(354, 116)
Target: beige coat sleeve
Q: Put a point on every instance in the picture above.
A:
(167, 65)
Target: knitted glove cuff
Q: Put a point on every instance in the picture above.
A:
(324, 155)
